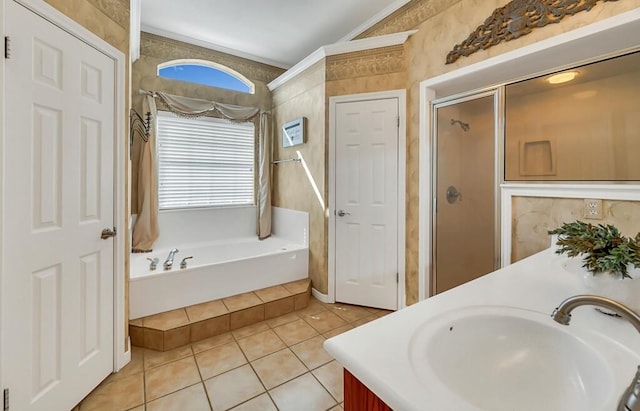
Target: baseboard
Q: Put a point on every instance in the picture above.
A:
(324, 298)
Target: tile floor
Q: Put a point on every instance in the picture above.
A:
(277, 364)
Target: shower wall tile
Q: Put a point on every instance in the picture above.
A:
(532, 217)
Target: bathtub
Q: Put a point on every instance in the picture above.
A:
(226, 261)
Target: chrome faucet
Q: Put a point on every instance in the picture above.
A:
(153, 263)
(168, 263)
(630, 400)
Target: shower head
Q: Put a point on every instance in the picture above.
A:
(464, 126)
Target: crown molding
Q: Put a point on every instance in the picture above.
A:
(374, 20)
(211, 46)
(341, 48)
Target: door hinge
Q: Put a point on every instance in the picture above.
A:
(398, 278)
(7, 47)
(398, 121)
(6, 399)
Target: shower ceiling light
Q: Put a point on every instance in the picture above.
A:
(562, 77)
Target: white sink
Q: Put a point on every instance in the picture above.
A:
(503, 358)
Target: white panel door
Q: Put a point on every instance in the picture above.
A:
(367, 203)
(58, 196)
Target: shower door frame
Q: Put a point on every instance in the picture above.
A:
(498, 169)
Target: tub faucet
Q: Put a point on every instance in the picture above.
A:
(168, 263)
(153, 263)
(630, 400)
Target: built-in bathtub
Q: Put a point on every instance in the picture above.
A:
(220, 267)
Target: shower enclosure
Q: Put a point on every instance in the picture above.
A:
(465, 187)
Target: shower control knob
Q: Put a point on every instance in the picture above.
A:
(342, 213)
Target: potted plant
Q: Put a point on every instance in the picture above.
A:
(607, 257)
(605, 250)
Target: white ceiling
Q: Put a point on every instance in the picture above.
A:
(276, 32)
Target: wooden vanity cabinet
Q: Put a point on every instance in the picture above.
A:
(357, 397)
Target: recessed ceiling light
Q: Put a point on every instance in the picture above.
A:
(562, 77)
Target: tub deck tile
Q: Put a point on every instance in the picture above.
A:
(172, 329)
(167, 320)
(205, 311)
(241, 301)
(273, 293)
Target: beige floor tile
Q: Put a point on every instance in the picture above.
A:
(331, 376)
(192, 398)
(220, 359)
(337, 331)
(314, 307)
(349, 313)
(206, 310)
(119, 395)
(140, 408)
(337, 408)
(261, 344)
(324, 321)
(233, 387)
(166, 320)
(241, 301)
(135, 366)
(260, 403)
(277, 368)
(212, 342)
(272, 293)
(295, 332)
(377, 311)
(250, 330)
(283, 319)
(154, 358)
(170, 377)
(364, 320)
(311, 352)
(303, 393)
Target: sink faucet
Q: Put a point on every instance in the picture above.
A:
(168, 263)
(630, 400)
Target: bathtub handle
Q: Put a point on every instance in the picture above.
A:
(183, 263)
(153, 263)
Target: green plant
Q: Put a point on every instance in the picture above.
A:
(603, 247)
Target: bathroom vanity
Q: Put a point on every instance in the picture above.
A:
(491, 344)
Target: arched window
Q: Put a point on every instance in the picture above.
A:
(206, 73)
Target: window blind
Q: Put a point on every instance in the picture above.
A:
(204, 162)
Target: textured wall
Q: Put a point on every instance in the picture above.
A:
(533, 217)
(155, 50)
(427, 50)
(108, 19)
(304, 96)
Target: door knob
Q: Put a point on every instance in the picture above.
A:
(342, 213)
(107, 232)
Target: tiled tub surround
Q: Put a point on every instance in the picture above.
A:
(176, 328)
(228, 259)
(277, 364)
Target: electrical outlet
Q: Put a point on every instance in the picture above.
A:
(592, 209)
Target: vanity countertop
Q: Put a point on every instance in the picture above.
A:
(377, 353)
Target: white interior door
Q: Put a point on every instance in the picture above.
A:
(57, 325)
(366, 193)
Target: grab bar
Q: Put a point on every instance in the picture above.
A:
(298, 159)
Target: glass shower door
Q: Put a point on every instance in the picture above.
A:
(465, 182)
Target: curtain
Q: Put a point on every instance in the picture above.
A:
(145, 230)
(263, 186)
(192, 107)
